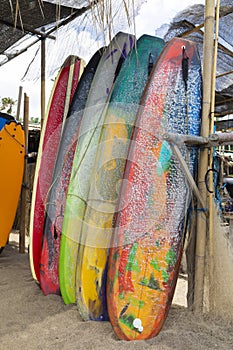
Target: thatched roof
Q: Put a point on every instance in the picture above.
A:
(65, 21)
(98, 18)
(17, 21)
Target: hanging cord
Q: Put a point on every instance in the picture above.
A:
(150, 63)
(185, 67)
(206, 178)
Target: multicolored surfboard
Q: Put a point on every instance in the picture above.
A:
(55, 206)
(12, 152)
(60, 98)
(107, 175)
(97, 100)
(146, 246)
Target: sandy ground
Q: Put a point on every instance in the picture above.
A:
(29, 320)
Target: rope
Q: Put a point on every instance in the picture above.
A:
(150, 64)
(185, 66)
(206, 178)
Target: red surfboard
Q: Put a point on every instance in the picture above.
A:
(55, 206)
(60, 99)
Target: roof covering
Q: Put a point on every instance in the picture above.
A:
(189, 24)
(82, 21)
(89, 25)
(17, 18)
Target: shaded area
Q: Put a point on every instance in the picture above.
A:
(18, 20)
(29, 320)
(80, 27)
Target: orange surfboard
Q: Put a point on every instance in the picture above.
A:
(12, 151)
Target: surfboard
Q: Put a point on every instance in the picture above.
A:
(55, 206)
(146, 245)
(60, 98)
(106, 176)
(97, 100)
(12, 152)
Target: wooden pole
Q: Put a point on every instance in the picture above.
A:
(42, 100)
(203, 160)
(211, 179)
(223, 138)
(19, 102)
(23, 209)
(180, 139)
(188, 175)
(224, 74)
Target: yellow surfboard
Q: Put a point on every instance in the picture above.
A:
(12, 152)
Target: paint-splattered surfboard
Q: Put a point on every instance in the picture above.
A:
(55, 206)
(60, 98)
(107, 175)
(146, 245)
(100, 91)
(12, 152)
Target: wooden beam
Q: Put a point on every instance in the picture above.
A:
(41, 35)
(26, 29)
(223, 74)
(211, 165)
(19, 102)
(222, 14)
(179, 139)
(23, 210)
(189, 177)
(225, 138)
(198, 29)
(42, 86)
(213, 140)
(203, 159)
(224, 101)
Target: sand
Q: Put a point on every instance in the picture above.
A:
(29, 320)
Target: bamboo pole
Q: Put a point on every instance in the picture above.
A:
(180, 139)
(42, 92)
(223, 138)
(23, 207)
(211, 179)
(203, 160)
(19, 102)
(224, 74)
(188, 175)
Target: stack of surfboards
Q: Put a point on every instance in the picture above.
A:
(12, 152)
(110, 199)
